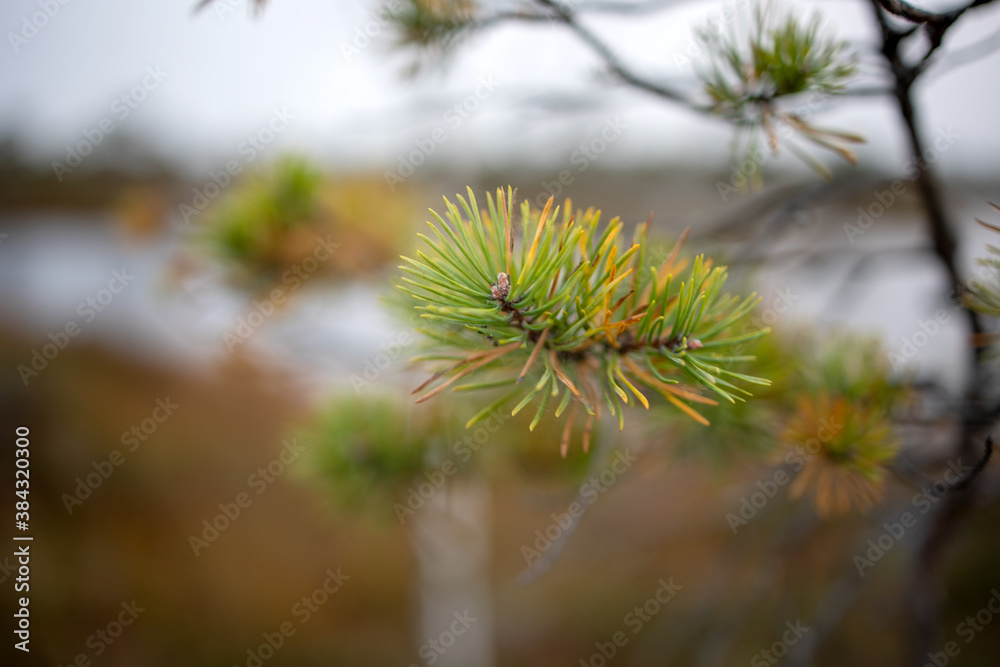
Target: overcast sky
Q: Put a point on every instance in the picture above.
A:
(222, 75)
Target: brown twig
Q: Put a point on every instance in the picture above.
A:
(922, 592)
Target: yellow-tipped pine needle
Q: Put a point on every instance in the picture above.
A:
(542, 220)
(684, 407)
(638, 394)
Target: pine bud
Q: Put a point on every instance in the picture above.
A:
(501, 290)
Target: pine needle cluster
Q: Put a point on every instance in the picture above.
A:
(552, 309)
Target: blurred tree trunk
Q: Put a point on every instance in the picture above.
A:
(452, 545)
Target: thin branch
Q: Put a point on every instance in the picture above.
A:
(941, 234)
(913, 14)
(600, 456)
(828, 614)
(555, 12)
(922, 601)
(905, 10)
(869, 91)
(625, 8)
(966, 55)
(568, 18)
(935, 24)
(792, 204)
(963, 482)
(709, 619)
(509, 16)
(908, 472)
(202, 4)
(844, 593)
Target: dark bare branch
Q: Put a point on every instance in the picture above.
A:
(614, 63)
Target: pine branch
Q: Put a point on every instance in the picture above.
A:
(569, 317)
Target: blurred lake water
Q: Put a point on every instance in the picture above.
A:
(825, 268)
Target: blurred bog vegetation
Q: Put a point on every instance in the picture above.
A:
(272, 222)
(129, 540)
(665, 518)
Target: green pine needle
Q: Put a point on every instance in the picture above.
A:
(584, 322)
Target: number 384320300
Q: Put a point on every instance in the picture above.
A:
(22, 473)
